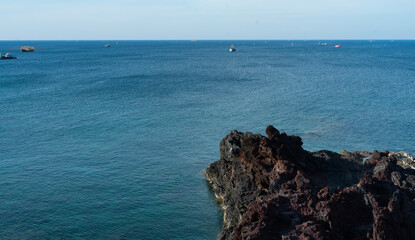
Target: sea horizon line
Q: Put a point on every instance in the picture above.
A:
(299, 39)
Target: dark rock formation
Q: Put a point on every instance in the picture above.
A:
(271, 188)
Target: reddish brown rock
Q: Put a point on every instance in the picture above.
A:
(271, 188)
(323, 194)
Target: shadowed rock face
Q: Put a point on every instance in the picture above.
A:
(271, 188)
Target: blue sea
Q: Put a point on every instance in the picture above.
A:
(111, 143)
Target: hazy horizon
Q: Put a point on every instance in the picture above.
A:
(207, 20)
(106, 40)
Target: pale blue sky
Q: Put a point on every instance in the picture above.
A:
(206, 19)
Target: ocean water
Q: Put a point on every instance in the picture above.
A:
(111, 143)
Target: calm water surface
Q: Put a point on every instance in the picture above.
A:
(111, 143)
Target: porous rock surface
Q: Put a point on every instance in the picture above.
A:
(271, 188)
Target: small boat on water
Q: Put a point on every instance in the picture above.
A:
(107, 45)
(27, 49)
(232, 49)
(338, 46)
(6, 56)
(323, 44)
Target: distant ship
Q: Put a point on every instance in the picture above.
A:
(6, 56)
(107, 45)
(27, 49)
(323, 44)
(232, 49)
(338, 46)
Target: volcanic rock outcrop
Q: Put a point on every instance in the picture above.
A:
(271, 188)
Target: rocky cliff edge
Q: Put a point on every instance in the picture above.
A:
(271, 188)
